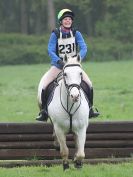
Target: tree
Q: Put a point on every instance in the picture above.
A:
(37, 10)
(118, 20)
(106, 18)
(24, 16)
(51, 15)
(87, 13)
(9, 19)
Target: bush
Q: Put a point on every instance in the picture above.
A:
(28, 49)
(103, 49)
(23, 49)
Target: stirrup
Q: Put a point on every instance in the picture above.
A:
(43, 116)
(93, 114)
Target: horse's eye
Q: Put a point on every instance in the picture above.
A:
(81, 74)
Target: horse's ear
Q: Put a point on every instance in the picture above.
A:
(78, 58)
(65, 58)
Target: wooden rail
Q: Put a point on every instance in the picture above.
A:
(34, 140)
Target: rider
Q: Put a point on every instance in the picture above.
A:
(64, 40)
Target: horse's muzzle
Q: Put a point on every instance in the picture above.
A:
(75, 98)
(74, 94)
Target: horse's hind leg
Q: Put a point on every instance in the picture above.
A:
(80, 138)
(63, 147)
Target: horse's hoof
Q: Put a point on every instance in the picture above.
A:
(78, 164)
(65, 165)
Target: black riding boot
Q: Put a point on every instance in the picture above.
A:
(43, 115)
(89, 93)
(92, 113)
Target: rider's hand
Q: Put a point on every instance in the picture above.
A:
(61, 63)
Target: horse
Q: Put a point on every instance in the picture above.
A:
(69, 111)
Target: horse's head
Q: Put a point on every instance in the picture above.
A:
(72, 74)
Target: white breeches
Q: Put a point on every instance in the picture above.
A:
(86, 79)
(47, 78)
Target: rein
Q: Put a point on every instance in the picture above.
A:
(69, 87)
(66, 109)
(69, 111)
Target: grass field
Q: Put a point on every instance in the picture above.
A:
(113, 96)
(112, 83)
(101, 170)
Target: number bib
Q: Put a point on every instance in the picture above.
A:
(66, 46)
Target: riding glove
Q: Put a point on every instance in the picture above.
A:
(61, 63)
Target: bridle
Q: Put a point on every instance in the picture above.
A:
(69, 87)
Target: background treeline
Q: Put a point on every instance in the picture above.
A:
(25, 26)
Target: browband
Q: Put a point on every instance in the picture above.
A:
(69, 65)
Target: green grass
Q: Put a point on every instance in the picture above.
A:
(101, 170)
(112, 83)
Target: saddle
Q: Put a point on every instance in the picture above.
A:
(51, 88)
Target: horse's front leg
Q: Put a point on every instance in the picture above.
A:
(56, 143)
(80, 138)
(63, 147)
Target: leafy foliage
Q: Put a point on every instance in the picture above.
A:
(118, 20)
(23, 49)
(110, 18)
(108, 23)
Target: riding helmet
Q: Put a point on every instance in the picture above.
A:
(65, 13)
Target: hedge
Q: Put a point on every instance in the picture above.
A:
(23, 49)
(28, 49)
(104, 49)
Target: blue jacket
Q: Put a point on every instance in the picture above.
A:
(52, 47)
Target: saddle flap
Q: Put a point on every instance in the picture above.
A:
(50, 91)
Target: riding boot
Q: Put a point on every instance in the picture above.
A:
(89, 93)
(43, 114)
(92, 113)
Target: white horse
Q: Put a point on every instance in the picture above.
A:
(69, 111)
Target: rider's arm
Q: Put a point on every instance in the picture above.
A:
(82, 45)
(52, 49)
